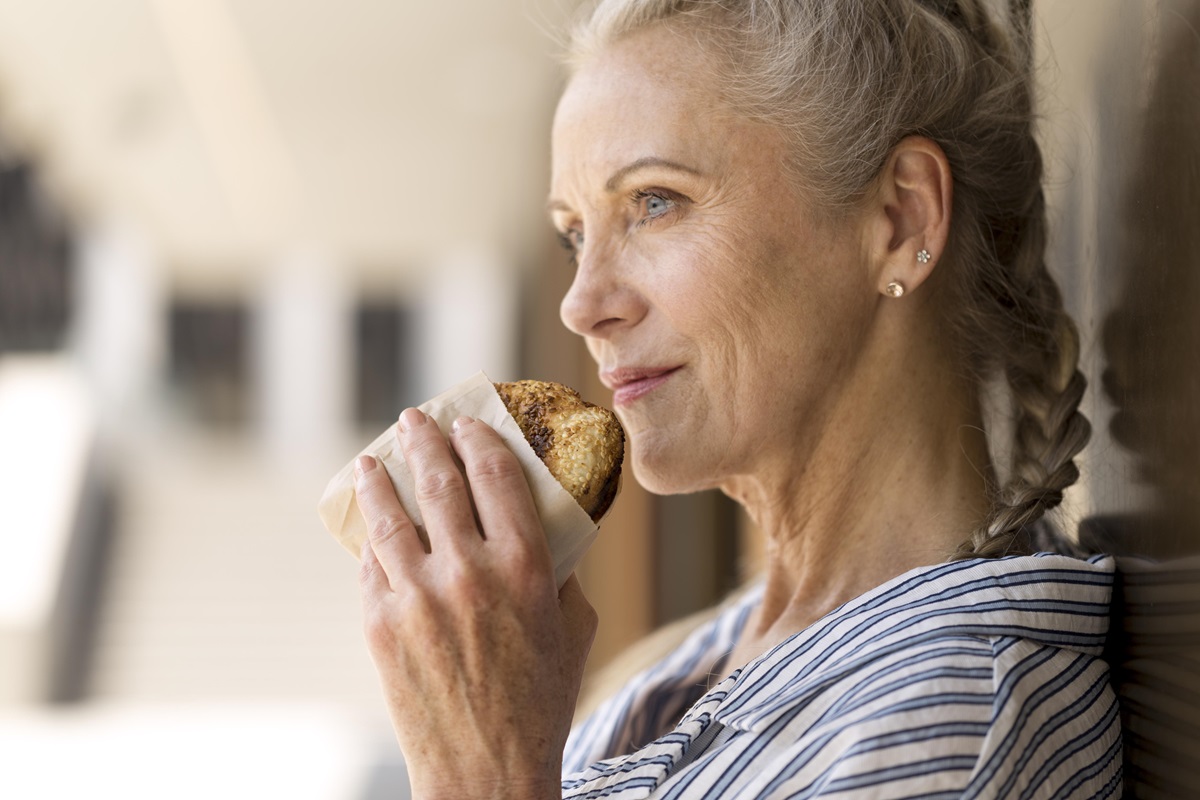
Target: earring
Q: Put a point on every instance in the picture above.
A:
(923, 256)
(895, 289)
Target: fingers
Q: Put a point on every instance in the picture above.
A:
(503, 500)
(440, 486)
(494, 488)
(390, 532)
(373, 580)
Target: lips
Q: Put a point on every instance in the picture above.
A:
(630, 383)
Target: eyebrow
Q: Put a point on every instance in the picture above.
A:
(615, 180)
(646, 162)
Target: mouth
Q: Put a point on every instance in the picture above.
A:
(631, 383)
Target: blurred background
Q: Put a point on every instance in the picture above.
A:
(238, 236)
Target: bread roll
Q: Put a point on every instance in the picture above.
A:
(582, 444)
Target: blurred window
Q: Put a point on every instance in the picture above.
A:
(383, 363)
(35, 266)
(208, 373)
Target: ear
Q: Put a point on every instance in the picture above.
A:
(910, 213)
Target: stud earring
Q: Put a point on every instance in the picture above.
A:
(895, 289)
(923, 256)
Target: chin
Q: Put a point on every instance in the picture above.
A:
(663, 472)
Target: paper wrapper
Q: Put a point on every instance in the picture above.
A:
(569, 529)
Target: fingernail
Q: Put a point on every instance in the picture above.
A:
(411, 418)
(458, 423)
(364, 464)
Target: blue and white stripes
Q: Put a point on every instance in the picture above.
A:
(977, 679)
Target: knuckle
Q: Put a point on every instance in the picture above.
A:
(591, 618)
(366, 571)
(524, 561)
(390, 623)
(584, 624)
(529, 560)
(498, 467)
(440, 484)
(467, 588)
(377, 630)
(385, 529)
(420, 604)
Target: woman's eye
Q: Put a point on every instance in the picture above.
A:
(571, 240)
(653, 204)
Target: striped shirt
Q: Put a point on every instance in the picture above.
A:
(971, 679)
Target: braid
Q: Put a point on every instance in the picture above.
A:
(1042, 373)
(1018, 317)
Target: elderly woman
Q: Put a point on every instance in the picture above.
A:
(807, 237)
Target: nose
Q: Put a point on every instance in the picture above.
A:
(600, 303)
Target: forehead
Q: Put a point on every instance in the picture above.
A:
(651, 93)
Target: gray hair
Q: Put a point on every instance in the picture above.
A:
(847, 81)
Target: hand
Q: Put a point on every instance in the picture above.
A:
(479, 656)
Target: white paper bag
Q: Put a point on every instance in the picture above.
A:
(569, 529)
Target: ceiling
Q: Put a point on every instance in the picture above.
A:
(228, 132)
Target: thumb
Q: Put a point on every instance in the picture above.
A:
(579, 618)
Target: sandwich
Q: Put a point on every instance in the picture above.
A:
(582, 444)
(570, 451)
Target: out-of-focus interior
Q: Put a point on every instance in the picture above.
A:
(237, 237)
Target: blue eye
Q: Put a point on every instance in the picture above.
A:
(653, 204)
(571, 241)
(657, 206)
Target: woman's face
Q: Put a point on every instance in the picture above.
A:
(723, 316)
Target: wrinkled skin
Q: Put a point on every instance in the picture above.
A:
(479, 656)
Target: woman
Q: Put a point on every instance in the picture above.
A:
(806, 236)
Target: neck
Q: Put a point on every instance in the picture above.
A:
(892, 481)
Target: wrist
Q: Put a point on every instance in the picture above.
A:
(514, 767)
(485, 789)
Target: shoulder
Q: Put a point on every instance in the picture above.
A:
(1054, 601)
(976, 679)
(925, 632)
(970, 717)
(1055, 723)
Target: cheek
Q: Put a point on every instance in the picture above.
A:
(743, 299)
(666, 460)
(709, 279)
